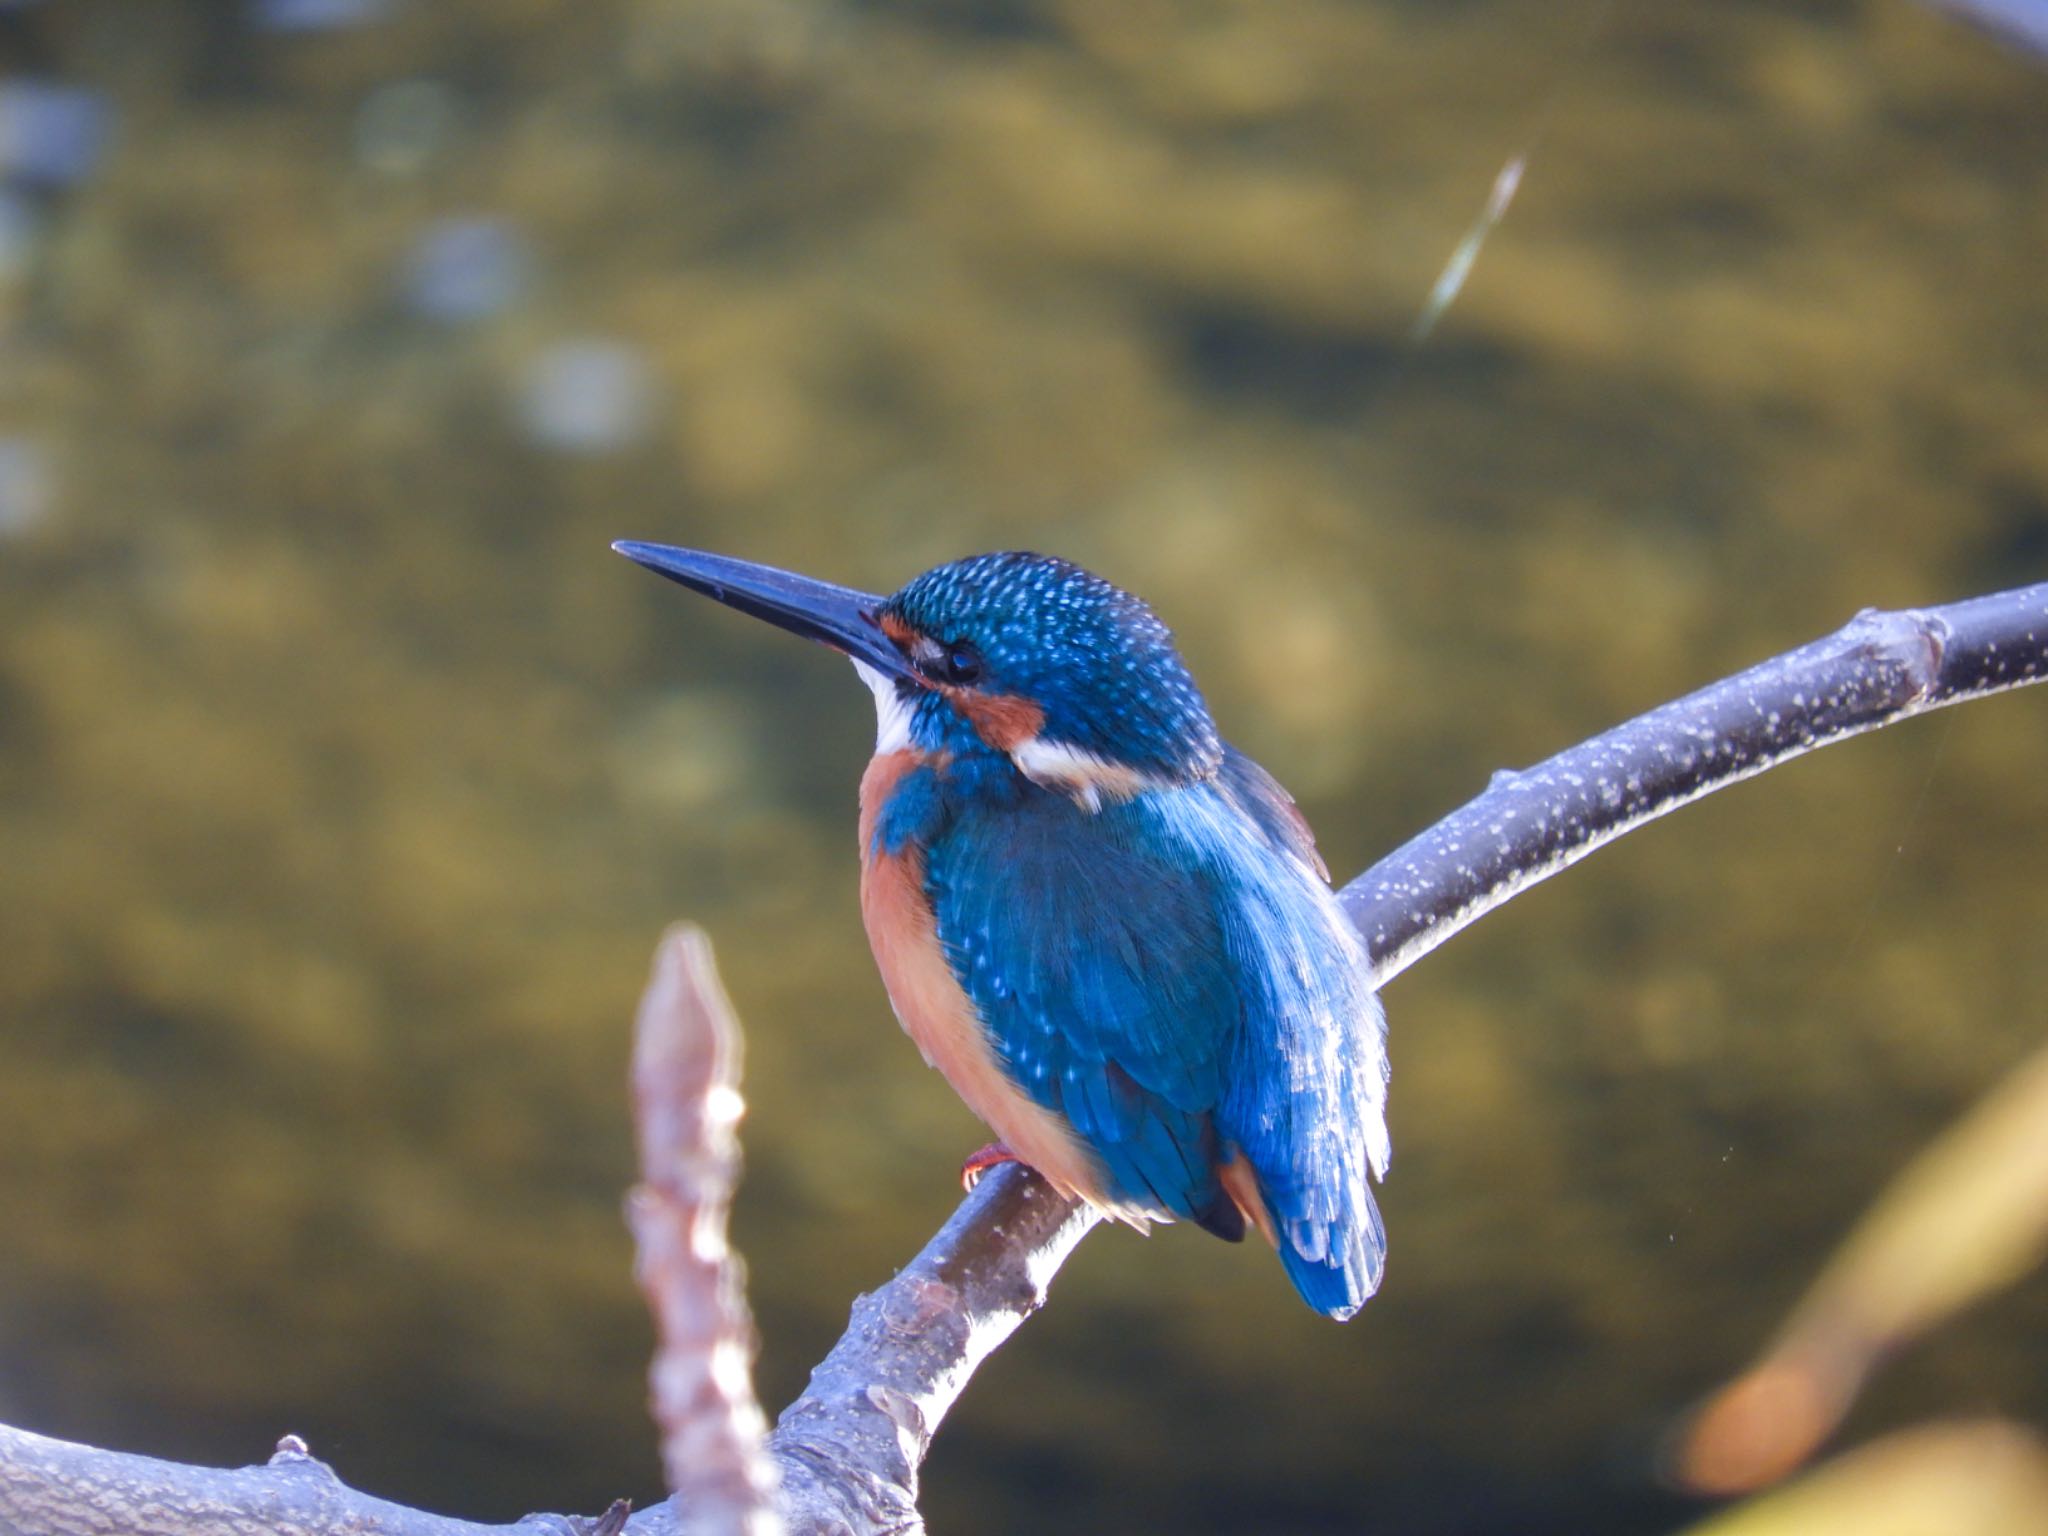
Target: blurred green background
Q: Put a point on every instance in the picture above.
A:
(346, 779)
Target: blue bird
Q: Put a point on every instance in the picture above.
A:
(1107, 928)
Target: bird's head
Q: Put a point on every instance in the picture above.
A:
(1072, 679)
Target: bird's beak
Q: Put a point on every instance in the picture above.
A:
(838, 616)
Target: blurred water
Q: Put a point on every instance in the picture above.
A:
(316, 15)
(346, 778)
(25, 486)
(465, 269)
(50, 135)
(585, 396)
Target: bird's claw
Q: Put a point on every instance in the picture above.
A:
(980, 1162)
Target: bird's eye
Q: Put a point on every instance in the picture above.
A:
(961, 664)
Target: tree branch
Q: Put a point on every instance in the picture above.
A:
(686, 1100)
(54, 1488)
(846, 1454)
(1877, 669)
(849, 1449)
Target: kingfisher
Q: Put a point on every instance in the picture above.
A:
(1109, 929)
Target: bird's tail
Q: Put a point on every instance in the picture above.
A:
(1336, 1265)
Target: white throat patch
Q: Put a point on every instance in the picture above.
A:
(892, 712)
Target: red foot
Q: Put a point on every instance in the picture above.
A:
(980, 1162)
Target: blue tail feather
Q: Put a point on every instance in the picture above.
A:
(1351, 1260)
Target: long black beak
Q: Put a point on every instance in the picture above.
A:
(838, 616)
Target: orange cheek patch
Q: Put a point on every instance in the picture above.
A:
(1003, 720)
(897, 630)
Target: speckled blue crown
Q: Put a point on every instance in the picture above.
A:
(1097, 660)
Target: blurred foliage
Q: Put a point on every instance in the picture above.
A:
(1967, 1218)
(346, 780)
(1985, 1479)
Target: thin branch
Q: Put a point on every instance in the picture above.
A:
(1877, 669)
(687, 1108)
(849, 1449)
(54, 1488)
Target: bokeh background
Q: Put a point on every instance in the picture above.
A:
(346, 780)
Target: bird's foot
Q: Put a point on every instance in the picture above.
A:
(980, 1162)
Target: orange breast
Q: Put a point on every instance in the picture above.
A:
(938, 1014)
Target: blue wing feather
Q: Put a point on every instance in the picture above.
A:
(1272, 810)
(1154, 973)
(1078, 986)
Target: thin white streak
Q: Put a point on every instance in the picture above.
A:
(1459, 267)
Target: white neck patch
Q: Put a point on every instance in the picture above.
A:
(1077, 773)
(892, 711)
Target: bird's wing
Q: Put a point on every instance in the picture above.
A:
(1270, 808)
(1179, 992)
(1096, 956)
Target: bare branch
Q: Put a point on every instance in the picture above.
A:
(687, 1107)
(54, 1488)
(1877, 669)
(849, 1449)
